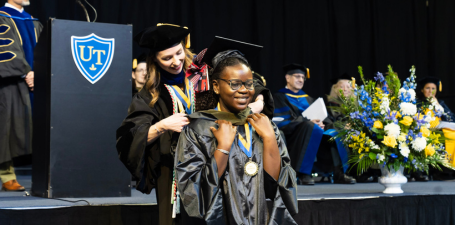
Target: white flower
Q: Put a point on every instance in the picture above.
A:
(408, 109)
(419, 144)
(405, 93)
(413, 94)
(384, 107)
(404, 149)
(380, 157)
(439, 108)
(375, 147)
(392, 129)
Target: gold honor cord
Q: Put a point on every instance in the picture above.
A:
(296, 96)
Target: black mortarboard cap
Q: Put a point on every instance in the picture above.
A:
(162, 36)
(344, 76)
(425, 80)
(141, 59)
(293, 68)
(220, 44)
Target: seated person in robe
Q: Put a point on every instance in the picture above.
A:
(303, 136)
(227, 157)
(139, 73)
(428, 89)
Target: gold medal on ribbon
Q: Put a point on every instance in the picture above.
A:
(251, 168)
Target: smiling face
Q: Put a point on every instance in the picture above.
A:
(171, 59)
(295, 81)
(429, 90)
(345, 87)
(230, 100)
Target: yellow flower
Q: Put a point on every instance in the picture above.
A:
(429, 150)
(378, 124)
(361, 156)
(390, 141)
(397, 114)
(435, 138)
(407, 121)
(418, 116)
(402, 137)
(435, 122)
(425, 132)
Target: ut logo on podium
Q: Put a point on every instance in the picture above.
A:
(93, 55)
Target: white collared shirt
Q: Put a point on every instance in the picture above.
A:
(12, 6)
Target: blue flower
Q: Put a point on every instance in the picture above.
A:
(405, 159)
(393, 156)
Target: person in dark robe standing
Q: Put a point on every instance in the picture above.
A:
(147, 138)
(303, 136)
(241, 158)
(139, 73)
(19, 34)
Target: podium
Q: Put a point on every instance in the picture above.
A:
(82, 93)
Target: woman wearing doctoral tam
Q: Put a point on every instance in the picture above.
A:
(147, 138)
(428, 89)
(226, 173)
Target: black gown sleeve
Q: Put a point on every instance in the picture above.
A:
(138, 157)
(197, 172)
(450, 116)
(283, 192)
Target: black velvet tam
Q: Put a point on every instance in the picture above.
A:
(161, 36)
(344, 76)
(294, 68)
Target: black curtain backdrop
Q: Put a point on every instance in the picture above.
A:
(328, 36)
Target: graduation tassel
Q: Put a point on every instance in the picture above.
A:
(188, 42)
(134, 64)
(308, 73)
(440, 86)
(353, 82)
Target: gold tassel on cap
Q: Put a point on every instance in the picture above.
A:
(353, 82)
(187, 41)
(440, 86)
(134, 64)
(307, 73)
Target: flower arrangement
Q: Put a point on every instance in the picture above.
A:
(385, 126)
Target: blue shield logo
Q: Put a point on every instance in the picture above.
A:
(93, 55)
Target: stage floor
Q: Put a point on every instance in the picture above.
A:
(320, 191)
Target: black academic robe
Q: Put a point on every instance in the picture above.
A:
(151, 165)
(450, 115)
(235, 198)
(15, 103)
(303, 137)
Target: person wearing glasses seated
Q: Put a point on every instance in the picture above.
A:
(303, 136)
(139, 73)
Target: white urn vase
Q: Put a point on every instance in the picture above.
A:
(392, 180)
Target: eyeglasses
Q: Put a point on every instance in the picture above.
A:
(299, 77)
(235, 84)
(141, 71)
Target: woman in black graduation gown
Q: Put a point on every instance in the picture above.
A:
(226, 173)
(148, 136)
(429, 88)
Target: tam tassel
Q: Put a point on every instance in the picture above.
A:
(187, 41)
(353, 82)
(134, 64)
(440, 86)
(308, 73)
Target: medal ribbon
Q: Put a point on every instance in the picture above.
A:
(245, 145)
(184, 98)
